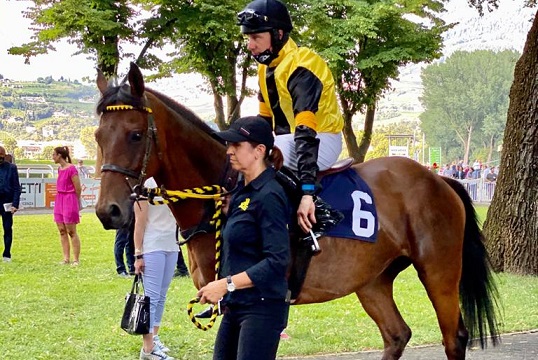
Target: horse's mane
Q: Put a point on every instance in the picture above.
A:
(185, 113)
(122, 94)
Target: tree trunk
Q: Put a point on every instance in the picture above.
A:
(468, 145)
(349, 136)
(491, 146)
(220, 118)
(367, 137)
(511, 228)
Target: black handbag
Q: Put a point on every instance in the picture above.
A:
(135, 318)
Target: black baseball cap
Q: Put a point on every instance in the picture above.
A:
(250, 128)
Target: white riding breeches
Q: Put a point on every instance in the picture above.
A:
(330, 147)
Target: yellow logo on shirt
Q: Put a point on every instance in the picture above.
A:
(244, 205)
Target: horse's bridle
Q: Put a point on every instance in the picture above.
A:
(151, 137)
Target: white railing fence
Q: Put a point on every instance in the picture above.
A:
(480, 190)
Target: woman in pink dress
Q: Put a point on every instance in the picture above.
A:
(67, 204)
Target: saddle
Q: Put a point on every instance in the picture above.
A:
(338, 166)
(303, 249)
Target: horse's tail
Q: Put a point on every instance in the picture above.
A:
(478, 294)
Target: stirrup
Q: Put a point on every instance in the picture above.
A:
(312, 242)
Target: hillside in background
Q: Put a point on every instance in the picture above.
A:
(46, 109)
(503, 29)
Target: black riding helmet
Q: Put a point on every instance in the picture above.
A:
(266, 16)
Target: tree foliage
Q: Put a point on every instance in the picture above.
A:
(87, 138)
(8, 142)
(466, 98)
(207, 41)
(365, 44)
(97, 27)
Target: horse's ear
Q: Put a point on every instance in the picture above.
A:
(136, 81)
(102, 83)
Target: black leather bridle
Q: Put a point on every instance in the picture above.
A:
(151, 137)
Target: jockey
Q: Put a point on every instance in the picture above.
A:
(297, 96)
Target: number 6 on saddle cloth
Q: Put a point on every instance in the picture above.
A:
(347, 209)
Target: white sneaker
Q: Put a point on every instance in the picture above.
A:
(6, 259)
(155, 354)
(157, 342)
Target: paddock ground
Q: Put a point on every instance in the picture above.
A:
(520, 346)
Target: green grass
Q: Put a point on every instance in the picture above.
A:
(49, 311)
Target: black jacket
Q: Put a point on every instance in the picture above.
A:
(255, 240)
(10, 187)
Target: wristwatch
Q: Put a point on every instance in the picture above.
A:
(230, 286)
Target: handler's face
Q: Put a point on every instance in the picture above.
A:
(243, 155)
(258, 43)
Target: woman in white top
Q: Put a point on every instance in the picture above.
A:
(156, 252)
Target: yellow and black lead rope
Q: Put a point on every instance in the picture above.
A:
(207, 192)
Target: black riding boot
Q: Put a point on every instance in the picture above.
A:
(326, 218)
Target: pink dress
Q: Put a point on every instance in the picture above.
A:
(66, 204)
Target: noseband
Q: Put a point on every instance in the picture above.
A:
(151, 137)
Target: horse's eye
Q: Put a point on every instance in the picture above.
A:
(135, 136)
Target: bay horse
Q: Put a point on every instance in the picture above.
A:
(425, 221)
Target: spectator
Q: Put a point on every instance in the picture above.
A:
(181, 267)
(492, 175)
(156, 252)
(124, 245)
(83, 171)
(460, 173)
(256, 251)
(67, 204)
(10, 193)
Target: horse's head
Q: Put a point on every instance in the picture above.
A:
(126, 139)
(143, 133)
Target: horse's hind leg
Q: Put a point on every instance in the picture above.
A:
(442, 287)
(377, 300)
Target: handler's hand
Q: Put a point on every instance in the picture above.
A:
(139, 266)
(212, 292)
(306, 213)
(225, 202)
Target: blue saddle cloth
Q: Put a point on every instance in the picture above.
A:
(347, 192)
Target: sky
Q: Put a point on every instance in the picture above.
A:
(14, 31)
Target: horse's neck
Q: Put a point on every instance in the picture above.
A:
(190, 159)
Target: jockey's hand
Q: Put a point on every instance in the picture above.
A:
(212, 292)
(306, 213)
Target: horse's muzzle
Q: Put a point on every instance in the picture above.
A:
(112, 216)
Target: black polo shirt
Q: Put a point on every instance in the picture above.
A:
(255, 240)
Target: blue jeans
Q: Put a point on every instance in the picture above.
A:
(7, 223)
(124, 244)
(251, 331)
(158, 273)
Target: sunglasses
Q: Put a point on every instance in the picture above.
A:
(251, 18)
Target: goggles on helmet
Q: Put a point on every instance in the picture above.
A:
(251, 18)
